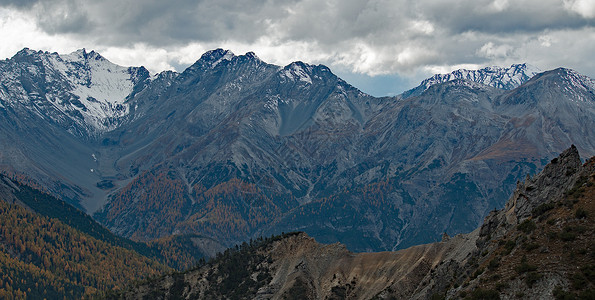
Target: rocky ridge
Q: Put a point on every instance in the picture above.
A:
(502, 78)
(548, 215)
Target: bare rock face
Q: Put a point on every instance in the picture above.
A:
(549, 185)
(546, 187)
(7, 188)
(542, 240)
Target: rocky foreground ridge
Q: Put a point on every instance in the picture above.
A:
(539, 246)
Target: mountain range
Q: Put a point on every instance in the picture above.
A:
(539, 246)
(234, 148)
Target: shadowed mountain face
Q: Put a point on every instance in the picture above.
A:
(538, 247)
(235, 148)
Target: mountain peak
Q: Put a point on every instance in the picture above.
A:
(214, 57)
(26, 53)
(298, 71)
(81, 55)
(252, 55)
(568, 83)
(498, 77)
(576, 79)
(88, 87)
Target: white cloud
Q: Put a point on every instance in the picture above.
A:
(422, 26)
(545, 40)
(585, 8)
(449, 68)
(18, 30)
(490, 50)
(498, 5)
(154, 59)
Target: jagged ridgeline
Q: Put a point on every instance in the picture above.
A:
(233, 148)
(540, 246)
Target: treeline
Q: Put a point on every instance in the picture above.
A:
(44, 258)
(176, 251)
(374, 195)
(232, 209)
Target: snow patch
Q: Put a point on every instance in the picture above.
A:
(100, 86)
(502, 78)
(272, 103)
(228, 55)
(580, 86)
(81, 82)
(298, 72)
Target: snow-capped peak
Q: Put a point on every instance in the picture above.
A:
(298, 71)
(82, 82)
(502, 78)
(579, 80)
(580, 86)
(227, 56)
(25, 51)
(82, 55)
(213, 57)
(101, 86)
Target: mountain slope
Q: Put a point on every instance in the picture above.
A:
(540, 244)
(217, 143)
(298, 136)
(178, 252)
(52, 106)
(41, 257)
(234, 148)
(295, 266)
(450, 156)
(511, 255)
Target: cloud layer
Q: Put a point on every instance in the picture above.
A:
(375, 37)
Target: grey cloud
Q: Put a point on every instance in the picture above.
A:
(326, 22)
(520, 16)
(67, 17)
(336, 21)
(158, 22)
(18, 3)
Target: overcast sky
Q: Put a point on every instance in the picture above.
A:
(382, 47)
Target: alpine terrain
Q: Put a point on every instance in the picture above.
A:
(538, 247)
(234, 148)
